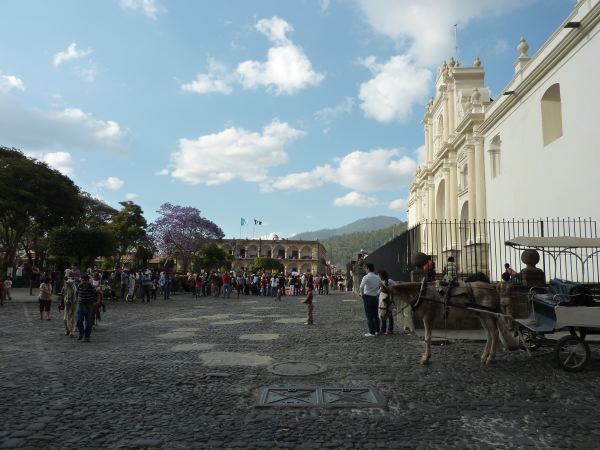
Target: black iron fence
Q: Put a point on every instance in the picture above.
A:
(479, 246)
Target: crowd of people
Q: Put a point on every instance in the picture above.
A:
(83, 294)
(263, 284)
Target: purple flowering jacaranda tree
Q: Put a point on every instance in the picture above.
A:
(180, 231)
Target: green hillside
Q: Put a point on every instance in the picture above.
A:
(362, 225)
(343, 249)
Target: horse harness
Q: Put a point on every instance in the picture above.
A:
(419, 298)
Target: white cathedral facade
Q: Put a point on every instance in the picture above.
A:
(532, 152)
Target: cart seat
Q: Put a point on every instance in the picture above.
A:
(538, 323)
(543, 308)
(568, 293)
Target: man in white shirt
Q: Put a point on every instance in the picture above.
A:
(369, 289)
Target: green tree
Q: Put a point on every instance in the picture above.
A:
(96, 213)
(129, 228)
(212, 257)
(34, 199)
(80, 243)
(144, 251)
(268, 264)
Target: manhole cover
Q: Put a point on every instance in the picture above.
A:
(297, 368)
(320, 397)
(287, 396)
(351, 397)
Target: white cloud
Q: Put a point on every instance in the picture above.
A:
(275, 29)
(355, 199)
(287, 68)
(398, 205)
(111, 183)
(131, 196)
(396, 87)
(61, 161)
(10, 82)
(89, 72)
(55, 130)
(162, 172)
(218, 79)
(303, 180)
(232, 153)
(423, 31)
(151, 8)
(375, 170)
(69, 54)
(420, 154)
(331, 113)
(102, 130)
(425, 28)
(379, 169)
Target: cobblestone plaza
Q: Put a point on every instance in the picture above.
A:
(186, 374)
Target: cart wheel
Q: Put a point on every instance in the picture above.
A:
(572, 353)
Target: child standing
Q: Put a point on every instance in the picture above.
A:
(7, 288)
(386, 305)
(308, 301)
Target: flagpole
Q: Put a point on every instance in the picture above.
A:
(253, 228)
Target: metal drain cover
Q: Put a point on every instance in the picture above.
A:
(320, 397)
(297, 368)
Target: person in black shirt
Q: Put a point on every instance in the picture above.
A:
(86, 295)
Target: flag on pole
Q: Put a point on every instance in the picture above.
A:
(243, 222)
(257, 222)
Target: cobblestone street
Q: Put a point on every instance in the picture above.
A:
(186, 373)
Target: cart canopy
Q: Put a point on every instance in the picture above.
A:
(553, 242)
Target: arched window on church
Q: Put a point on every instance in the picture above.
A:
(494, 152)
(551, 114)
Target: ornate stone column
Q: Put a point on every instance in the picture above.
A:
(429, 141)
(472, 182)
(430, 199)
(452, 112)
(446, 132)
(453, 188)
(447, 198)
(479, 179)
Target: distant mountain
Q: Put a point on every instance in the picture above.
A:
(344, 248)
(359, 226)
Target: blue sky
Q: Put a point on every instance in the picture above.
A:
(304, 114)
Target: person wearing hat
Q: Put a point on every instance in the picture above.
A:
(86, 294)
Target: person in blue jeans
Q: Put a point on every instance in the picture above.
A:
(369, 289)
(86, 295)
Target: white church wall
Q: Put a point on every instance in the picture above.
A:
(563, 177)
